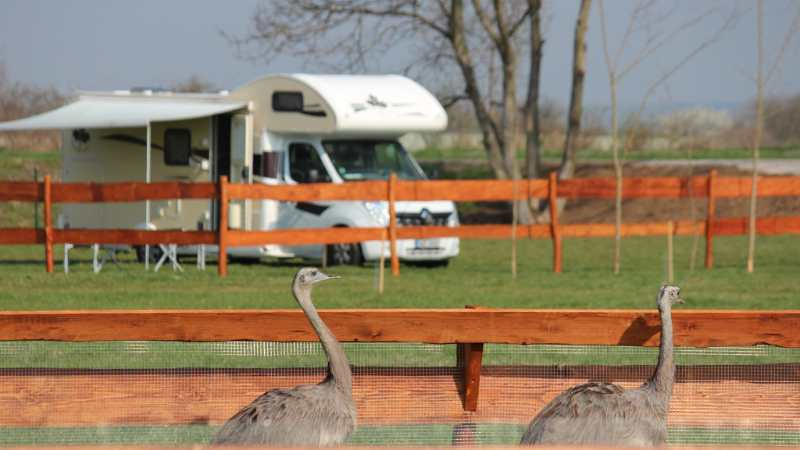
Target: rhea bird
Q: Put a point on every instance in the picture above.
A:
(606, 414)
(318, 415)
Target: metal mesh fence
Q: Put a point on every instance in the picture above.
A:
(177, 393)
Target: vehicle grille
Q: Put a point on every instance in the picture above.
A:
(423, 218)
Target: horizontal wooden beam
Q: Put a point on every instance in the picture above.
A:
(633, 187)
(767, 186)
(21, 191)
(15, 236)
(360, 447)
(764, 226)
(357, 190)
(130, 191)
(133, 237)
(407, 190)
(302, 236)
(703, 396)
(693, 328)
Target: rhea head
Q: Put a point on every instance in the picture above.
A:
(669, 295)
(308, 276)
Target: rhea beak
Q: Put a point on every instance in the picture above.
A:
(679, 301)
(324, 276)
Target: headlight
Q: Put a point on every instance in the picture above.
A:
(452, 220)
(378, 211)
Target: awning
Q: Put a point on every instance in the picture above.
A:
(125, 110)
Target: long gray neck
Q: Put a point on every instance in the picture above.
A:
(338, 366)
(664, 376)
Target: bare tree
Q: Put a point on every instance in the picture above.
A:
(19, 100)
(467, 39)
(194, 84)
(762, 79)
(576, 92)
(641, 18)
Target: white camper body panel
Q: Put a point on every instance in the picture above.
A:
(118, 154)
(254, 138)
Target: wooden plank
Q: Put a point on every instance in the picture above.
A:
(765, 226)
(20, 236)
(681, 228)
(696, 328)
(392, 198)
(555, 229)
(21, 191)
(535, 231)
(468, 190)
(711, 212)
(662, 187)
(767, 186)
(472, 357)
(130, 191)
(48, 225)
(299, 236)
(132, 237)
(703, 395)
(356, 190)
(222, 228)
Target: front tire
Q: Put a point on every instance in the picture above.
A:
(344, 254)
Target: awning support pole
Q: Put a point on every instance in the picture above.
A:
(147, 202)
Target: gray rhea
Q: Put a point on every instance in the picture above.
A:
(308, 415)
(606, 414)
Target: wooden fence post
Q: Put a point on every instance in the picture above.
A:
(393, 225)
(222, 231)
(670, 259)
(710, 213)
(470, 359)
(48, 224)
(555, 233)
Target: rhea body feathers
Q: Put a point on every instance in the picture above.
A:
(607, 414)
(321, 414)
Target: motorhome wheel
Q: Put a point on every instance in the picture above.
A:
(345, 254)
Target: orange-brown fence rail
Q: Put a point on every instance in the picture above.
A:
(711, 187)
(61, 387)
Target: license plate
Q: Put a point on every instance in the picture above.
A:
(426, 243)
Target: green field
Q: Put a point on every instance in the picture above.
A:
(480, 275)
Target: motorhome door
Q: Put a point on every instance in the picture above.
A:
(240, 214)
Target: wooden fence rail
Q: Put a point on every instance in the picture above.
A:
(711, 187)
(469, 328)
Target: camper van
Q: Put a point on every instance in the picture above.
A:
(279, 129)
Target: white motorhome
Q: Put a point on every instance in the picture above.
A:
(280, 129)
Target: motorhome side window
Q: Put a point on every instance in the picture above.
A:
(305, 165)
(177, 146)
(287, 101)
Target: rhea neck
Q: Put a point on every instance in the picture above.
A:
(664, 375)
(338, 366)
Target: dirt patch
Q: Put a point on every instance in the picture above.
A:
(640, 210)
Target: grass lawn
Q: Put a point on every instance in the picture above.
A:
(480, 275)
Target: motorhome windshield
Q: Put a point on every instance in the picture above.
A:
(371, 160)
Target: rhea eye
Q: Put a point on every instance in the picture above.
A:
(314, 273)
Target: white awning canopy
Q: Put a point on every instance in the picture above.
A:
(125, 110)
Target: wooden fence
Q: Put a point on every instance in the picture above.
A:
(710, 187)
(100, 396)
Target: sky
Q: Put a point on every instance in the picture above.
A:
(119, 44)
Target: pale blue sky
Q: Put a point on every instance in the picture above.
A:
(116, 44)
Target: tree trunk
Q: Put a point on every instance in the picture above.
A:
(751, 234)
(533, 158)
(464, 61)
(617, 173)
(576, 98)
